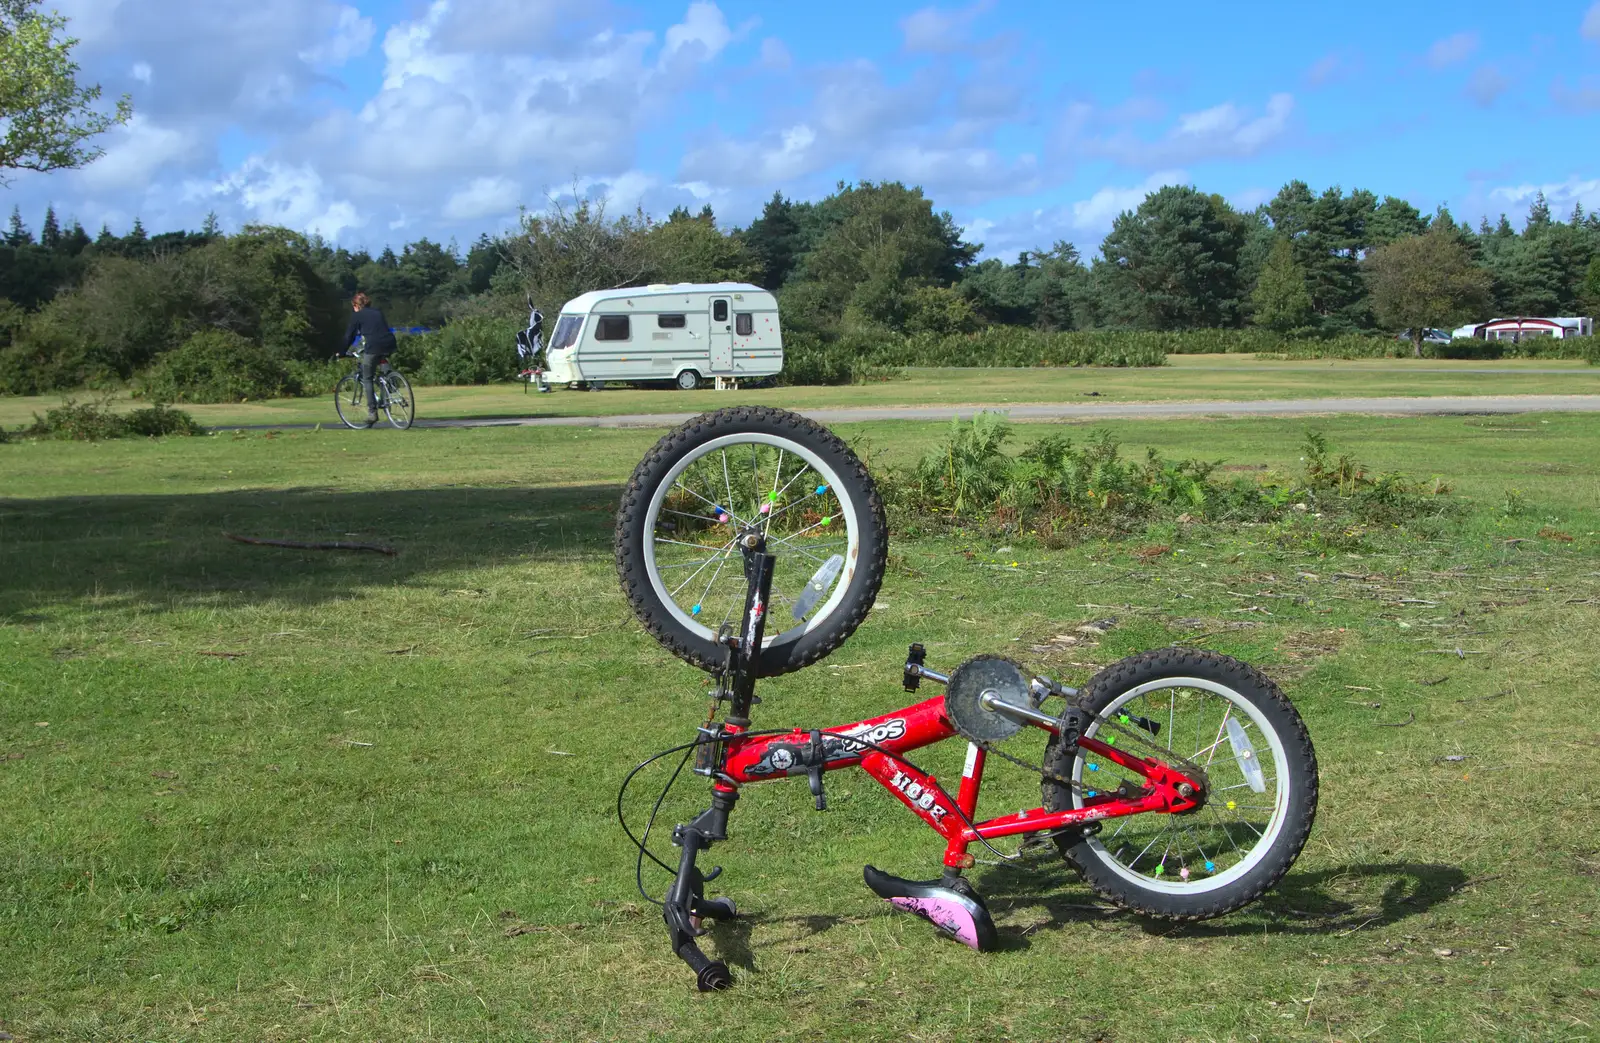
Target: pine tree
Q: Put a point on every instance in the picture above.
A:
(75, 241)
(50, 234)
(1282, 302)
(1589, 293)
(1484, 231)
(105, 238)
(211, 229)
(18, 234)
(1538, 214)
(1577, 215)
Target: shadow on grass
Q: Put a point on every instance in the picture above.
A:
(161, 553)
(1339, 900)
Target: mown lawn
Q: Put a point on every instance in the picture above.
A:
(1185, 378)
(254, 793)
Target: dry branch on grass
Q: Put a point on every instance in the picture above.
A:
(328, 545)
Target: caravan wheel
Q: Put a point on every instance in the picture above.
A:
(688, 380)
(597, 385)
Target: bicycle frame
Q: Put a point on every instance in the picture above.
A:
(924, 724)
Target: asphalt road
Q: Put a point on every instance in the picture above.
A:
(1456, 404)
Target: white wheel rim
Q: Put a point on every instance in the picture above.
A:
(1281, 797)
(827, 475)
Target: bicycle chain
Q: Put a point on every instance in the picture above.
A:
(1193, 770)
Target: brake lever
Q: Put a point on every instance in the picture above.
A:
(816, 758)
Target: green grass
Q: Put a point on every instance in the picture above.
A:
(1185, 378)
(363, 820)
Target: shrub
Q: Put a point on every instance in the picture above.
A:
(160, 419)
(471, 350)
(316, 378)
(216, 366)
(95, 421)
(1058, 488)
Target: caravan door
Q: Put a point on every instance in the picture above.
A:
(721, 336)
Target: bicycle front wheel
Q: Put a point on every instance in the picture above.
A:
(727, 474)
(350, 399)
(398, 404)
(1261, 785)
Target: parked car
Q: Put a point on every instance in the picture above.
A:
(1429, 336)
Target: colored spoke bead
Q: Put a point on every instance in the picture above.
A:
(1160, 870)
(1211, 867)
(821, 489)
(766, 508)
(827, 521)
(1184, 873)
(1094, 767)
(1232, 805)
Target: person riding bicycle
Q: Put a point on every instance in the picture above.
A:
(377, 343)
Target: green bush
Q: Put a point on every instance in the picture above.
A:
(216, 366)
(316, 378)
(1060, 489)
(473, 350)
(95, 421)
(160, 419)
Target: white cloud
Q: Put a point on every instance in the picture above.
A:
(1559, 194)
(937, 30)
(142, 72)
(136, 153)
(1486, 85)
(1452, 49)
(959, 173)
(1084, 222)
(523, 27)
(1585, 97)
(483, 197)
(1223, 131)
(1591, 23)
(292, 196)
(774, 55)
(1098, 211)
(701, 35)
(350, 36)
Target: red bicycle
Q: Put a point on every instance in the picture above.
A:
(1181, 784)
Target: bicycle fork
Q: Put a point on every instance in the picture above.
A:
(686, 905)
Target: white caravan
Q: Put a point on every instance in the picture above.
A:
(683, 333)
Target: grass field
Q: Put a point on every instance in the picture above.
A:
(265, 794)
(1185, 378)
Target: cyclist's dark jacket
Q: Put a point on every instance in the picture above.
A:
(370, 323)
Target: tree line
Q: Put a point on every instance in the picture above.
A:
(869, 260)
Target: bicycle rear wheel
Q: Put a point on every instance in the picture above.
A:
(1261, 785)
(350, 399)
(736, 471)
(398, 405)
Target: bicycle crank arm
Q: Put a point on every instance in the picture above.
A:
(1022, 714)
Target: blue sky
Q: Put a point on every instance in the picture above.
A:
(385, 120)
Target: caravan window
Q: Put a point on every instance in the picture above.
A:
(719, 311)
(566, 334)
(744, 324)
(612, 327)
(671, 322)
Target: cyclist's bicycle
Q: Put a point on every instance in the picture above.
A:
(1179, 783)
(389, 387)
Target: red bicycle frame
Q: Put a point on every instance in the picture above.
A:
(761, 759)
